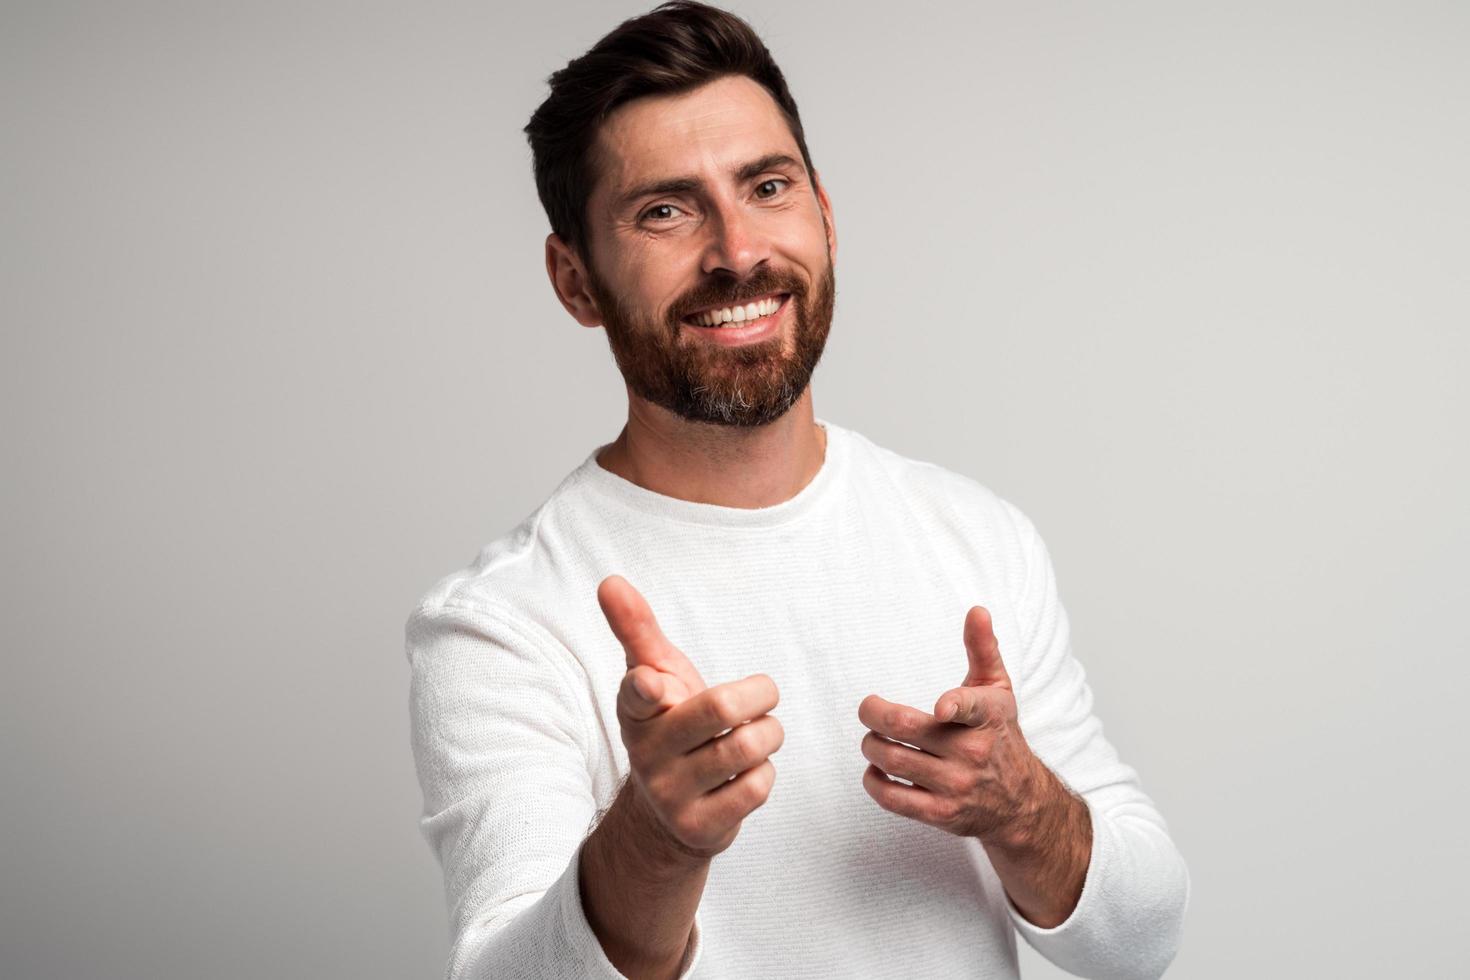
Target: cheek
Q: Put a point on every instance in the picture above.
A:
(660, 279)
(809, 255)
(808, 234)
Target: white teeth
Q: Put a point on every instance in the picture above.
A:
(737, 314)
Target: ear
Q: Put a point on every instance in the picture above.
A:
(569, 279)
(826, 205)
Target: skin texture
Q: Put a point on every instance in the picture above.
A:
(698, 761)
(973, 775)
(734, 426)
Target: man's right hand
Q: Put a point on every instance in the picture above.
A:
(699, 755)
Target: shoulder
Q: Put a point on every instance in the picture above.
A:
(477, 589)
(476, 646)
(513, 581)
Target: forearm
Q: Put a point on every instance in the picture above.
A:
(640, 891)
(1042, 861)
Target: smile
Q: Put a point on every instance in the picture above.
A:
(737, 316)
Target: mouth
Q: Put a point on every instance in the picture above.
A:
(760, 318)
(737, 316)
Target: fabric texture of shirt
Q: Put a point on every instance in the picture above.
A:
(859, 584)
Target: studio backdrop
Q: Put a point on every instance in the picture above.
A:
(1185, 282)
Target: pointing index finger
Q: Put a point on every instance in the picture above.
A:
(632, 621)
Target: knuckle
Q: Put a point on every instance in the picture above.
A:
(736, 748)
(762, 783)
(752, 737)
(977, 751)
(723, 706)
(687, 827)
(956, 785)
(659, 792)
(872, 783)
(754, 790)
(974, 781)
(738, 805)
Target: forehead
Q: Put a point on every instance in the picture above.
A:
(704, 131)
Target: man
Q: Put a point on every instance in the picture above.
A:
(595, 700)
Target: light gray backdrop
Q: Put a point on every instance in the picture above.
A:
(1187, 283)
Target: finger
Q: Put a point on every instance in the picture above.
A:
(743, 747)
(903, 723)
(894, 759)
(968, 706)
(637, 629)
(983, 650)
(913, 802)
(738, 797)
(643, 694)
(717, 709)
(632, 622)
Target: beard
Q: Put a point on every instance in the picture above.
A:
(747, 385)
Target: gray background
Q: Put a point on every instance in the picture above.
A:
(1187, 283)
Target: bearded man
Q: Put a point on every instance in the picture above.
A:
(597, 758)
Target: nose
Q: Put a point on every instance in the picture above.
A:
(736, 243)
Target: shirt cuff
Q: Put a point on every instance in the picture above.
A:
(579, 930)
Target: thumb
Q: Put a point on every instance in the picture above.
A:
(972, 706)
(645, 693)
(986, 667)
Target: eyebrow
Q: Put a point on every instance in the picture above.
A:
(681, 185)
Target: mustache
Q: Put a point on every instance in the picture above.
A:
(728, 294)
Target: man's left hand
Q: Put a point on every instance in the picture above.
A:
(973, 773)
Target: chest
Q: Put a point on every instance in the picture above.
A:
(830, 625)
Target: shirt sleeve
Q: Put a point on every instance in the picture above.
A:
(503, 734)
(1129, 920)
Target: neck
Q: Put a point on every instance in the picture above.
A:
(724, 465)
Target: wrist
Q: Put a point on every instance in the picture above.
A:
(658, 850)
(1043, 859)
(1045, 809)
(639, 895)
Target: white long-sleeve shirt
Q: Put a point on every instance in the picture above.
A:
(857, 585)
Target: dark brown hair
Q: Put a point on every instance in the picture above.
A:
(672, 49)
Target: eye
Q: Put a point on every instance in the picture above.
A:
(767, 183)
(659, 207)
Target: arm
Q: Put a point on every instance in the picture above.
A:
(1043, 861)
(1128, 918)
(697, 766)
(503, 736)
(640, 893)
